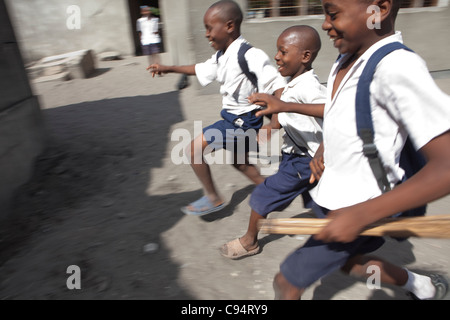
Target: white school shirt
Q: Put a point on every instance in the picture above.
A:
(235, 86)
(148, 27)
(404, 100)
(305, 130)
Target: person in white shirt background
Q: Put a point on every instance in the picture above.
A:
(148, 29)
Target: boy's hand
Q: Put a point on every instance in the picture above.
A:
(156, 69)
(344, 226)
(265, 100)
(317, 165)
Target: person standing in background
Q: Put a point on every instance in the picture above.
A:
(148, 29)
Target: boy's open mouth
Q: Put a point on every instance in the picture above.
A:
(334, 39)
(280, 68)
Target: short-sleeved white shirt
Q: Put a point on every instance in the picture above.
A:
(149, 29)
(305, 130)
(235, 86)
(404, 100)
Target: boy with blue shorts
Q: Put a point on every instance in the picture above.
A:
(405, 102)
(298, 46)
(223, 22)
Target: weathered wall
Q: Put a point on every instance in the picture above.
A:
(424, 30)
(42, 28)
(21, 128)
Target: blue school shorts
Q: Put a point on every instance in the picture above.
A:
(279, 190)
(317, 259)
(236, 133)
(149, 49)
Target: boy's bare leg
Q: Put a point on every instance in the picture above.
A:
(250, 240)
(284, 290)
(358, 266)
(249, 170)
(202, 169)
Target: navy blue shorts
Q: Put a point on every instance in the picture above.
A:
(317, 259)
(150, 49)
(279, 190)
(236, 133)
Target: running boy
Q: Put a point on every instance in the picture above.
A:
(223, 23)
(298, 46)
(405, 101)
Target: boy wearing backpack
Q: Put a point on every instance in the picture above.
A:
(298, 46)
(405, 102)
(222, 22)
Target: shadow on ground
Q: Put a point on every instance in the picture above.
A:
(87, 206)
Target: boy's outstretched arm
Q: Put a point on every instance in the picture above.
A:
(275, 105)
(159, 69)
(427, 185)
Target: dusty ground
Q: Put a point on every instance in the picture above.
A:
(106, 188)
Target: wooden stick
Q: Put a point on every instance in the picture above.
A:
(424, 227)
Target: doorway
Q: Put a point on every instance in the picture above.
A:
(135, 13)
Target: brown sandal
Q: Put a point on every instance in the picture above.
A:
(234, 250)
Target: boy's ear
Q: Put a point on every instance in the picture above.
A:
(230, 26)
(385, 7)
(306, 56)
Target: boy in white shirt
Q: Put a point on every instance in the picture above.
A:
(223, 21)
(298, 47)
(405, 101)
(148, 29)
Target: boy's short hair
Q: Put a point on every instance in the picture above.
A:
(229, 10)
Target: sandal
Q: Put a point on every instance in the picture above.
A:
(234, 250)
(201, 207)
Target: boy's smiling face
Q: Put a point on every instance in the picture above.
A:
(346, 25)
(217, 30)
(289, 56)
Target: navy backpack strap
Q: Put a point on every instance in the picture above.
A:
(364, 115)
(218, 55)
(244, 65)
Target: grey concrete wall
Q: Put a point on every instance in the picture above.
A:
(41, 27)
(21, 127)
(424, 30)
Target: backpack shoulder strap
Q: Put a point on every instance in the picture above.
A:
(364, 115)
(244, 64)
(218, 55)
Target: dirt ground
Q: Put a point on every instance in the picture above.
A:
(106, 197)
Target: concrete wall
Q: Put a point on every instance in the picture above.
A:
(21, 128)
(424, 30)
(41, 26)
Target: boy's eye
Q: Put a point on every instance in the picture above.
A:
(332, 15)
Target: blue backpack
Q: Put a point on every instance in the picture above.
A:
(243, 63)
(411, 161)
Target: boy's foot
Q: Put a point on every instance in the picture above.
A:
(202, 206)
(440, 284)
(235, 250)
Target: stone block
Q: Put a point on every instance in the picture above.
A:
(79, 64)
